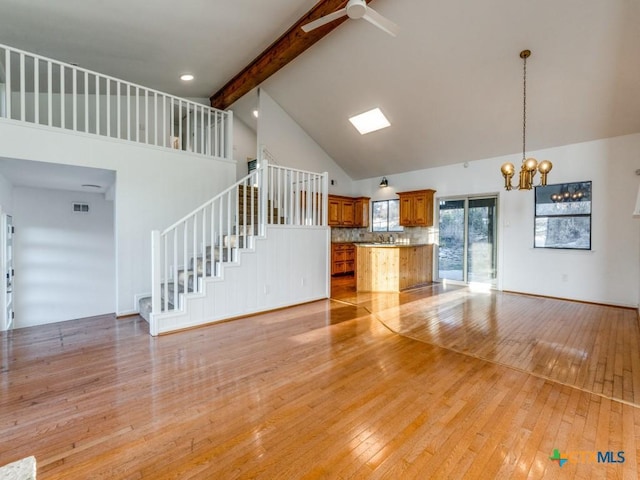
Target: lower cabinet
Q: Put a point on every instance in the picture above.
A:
(343, 258)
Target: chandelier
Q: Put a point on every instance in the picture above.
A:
(529, 165)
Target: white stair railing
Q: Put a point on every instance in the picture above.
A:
(46, 92)
(194, 248)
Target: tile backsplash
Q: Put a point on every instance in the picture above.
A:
(412, 234)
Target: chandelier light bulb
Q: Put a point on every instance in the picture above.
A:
(545, 166)
(507, 168)
(531, 164)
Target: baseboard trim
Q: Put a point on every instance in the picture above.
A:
(242, 316)
(587, 302)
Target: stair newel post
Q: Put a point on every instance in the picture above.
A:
(264, 194)
(156, 280)
(325, 198)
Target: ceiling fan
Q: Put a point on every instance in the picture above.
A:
(356, 9)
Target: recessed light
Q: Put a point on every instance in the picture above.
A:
(370, 121)
(187, 77)
(255, 113)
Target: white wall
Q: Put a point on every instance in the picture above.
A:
(293, 147)
(6, 195)
(155, 187)
(244, 146)
(64, 261)
(607, 274)
(270, 276)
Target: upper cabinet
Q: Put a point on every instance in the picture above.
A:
(416, 208)
(361, 210)
(348, 211)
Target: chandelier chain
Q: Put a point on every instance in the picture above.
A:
(524, 108)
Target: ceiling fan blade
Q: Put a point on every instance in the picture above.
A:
(381, 22)
(324, 20)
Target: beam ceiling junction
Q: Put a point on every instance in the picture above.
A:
(291, 44)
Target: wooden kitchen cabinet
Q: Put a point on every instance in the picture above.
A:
(416, 208)
(361, 209)
(343, 258)
(343, 211)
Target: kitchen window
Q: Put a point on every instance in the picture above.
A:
(386, 216)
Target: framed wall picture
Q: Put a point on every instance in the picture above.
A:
(563, 216)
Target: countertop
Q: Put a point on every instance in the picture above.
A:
(391, 245)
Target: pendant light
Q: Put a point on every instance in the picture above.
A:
(529, 165)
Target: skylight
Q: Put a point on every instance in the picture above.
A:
(370, 121)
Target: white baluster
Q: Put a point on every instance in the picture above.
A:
(63, 102)
(86, 101)
(166, 140)
(97, 105)
(155, 118)
(165, 285)
(50, 94)
(216, 141)
(204, 244)
(108, 97)
(22, 89)
(7, 91)
(203, 149)
(36, 91)
(175, 267)
(137, 124)
(128, 112)
(180, 123)
(74, 93)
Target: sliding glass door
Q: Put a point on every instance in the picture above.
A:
(467, 249)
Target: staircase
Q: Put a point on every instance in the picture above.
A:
(193, 254)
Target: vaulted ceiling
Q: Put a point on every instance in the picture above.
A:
(450, 82)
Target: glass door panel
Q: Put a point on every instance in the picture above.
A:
(451, 245)
(481, 240)
(467, 249)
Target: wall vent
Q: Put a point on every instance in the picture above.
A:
(79, 207)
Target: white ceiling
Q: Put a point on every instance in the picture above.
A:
(55, 176)
(450, 83)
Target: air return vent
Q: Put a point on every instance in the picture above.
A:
(79, 207)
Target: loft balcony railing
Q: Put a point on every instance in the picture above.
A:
(49, 93)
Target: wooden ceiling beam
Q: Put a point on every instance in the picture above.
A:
(291, 44)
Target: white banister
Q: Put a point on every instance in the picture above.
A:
(206, 131)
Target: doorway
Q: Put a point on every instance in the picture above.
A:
(467, 250)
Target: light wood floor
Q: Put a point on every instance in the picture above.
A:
(473, 386)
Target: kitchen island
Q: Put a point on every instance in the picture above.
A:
(393, 267)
